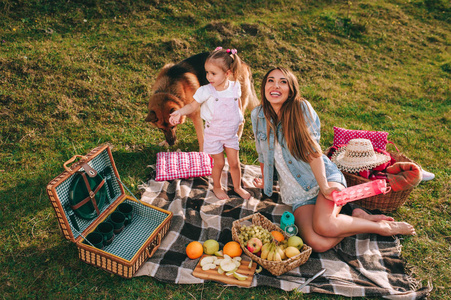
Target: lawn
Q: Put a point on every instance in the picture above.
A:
(76, 74)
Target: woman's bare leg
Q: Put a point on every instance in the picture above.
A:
(360, 213)
(328, 222)
(304, 220)
(218, 165)
(322, 226)
(235, 171)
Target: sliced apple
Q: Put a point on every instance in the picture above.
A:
(207, 260)
(219, 253)
(239, 276)
(209, 267)
(227, 265)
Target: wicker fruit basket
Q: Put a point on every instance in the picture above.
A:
(275, 267)
(384, 202)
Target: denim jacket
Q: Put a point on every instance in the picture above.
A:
(300, 170)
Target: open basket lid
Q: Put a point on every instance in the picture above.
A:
(69, 189)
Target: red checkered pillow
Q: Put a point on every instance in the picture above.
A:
(173, 165)
(343, 136)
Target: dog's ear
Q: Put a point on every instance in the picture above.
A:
(152, 117)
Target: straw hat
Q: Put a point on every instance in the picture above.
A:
(358, 156)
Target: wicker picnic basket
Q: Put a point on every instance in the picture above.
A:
(275, 267)
(384, 202)
(133, 245)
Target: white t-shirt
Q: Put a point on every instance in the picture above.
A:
(290, 190)
(204, 96)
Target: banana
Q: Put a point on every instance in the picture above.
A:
(281, 253)
(277, 256)
(265, 246)
(271, 255)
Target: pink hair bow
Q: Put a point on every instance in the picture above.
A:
(218, 48)
(232, 51)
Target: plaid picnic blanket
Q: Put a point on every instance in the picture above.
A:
(361, 265)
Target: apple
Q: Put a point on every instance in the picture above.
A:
(295, 241)
(254, 245)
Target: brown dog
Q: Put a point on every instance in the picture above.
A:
(174, 88)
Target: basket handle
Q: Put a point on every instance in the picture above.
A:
(151, 253)
(72, 160)
(390, 142)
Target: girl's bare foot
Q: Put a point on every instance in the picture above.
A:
(243, 193)
(220, 193)
(360, 213)
(394, 228)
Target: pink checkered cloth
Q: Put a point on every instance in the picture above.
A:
(173, 165)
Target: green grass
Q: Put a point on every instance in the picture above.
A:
(75, 74)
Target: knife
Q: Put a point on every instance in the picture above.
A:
(321, 272)
(72, 218)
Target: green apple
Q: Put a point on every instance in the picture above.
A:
(210, 247)
(295, 241)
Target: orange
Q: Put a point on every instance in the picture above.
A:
(232, 249)
(277, 235)
(194, 250)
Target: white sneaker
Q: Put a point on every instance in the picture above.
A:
(427, 175)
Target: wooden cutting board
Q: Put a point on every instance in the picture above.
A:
(215, 276)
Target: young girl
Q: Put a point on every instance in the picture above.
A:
(221, 111)
(287, 133)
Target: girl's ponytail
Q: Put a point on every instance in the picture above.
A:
(230, 60)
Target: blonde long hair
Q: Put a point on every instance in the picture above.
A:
(294, 126)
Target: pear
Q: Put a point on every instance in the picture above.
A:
(292, 251)
(211, 247)
(295, 241)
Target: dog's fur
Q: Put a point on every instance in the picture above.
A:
(174, 88)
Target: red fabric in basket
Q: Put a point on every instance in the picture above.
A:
(173, 165)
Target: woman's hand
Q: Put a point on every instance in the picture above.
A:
(259, 183)
(327, 192)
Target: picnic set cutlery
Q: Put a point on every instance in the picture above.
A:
(92, 209)
(303, 285)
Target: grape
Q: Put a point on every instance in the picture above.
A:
(248, 232)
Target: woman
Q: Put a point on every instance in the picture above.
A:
(306, 176)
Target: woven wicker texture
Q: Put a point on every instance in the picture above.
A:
(383, 202)
(130, 248)
(275, 267)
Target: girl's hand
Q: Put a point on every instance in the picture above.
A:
(174, 118)
(328, 192)
(259, 183)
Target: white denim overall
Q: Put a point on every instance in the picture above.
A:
(222, 130)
